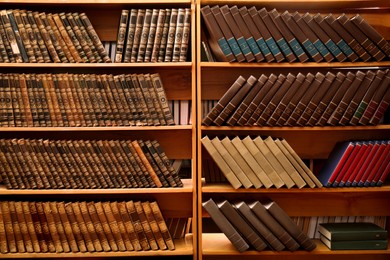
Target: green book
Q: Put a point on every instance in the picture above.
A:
(355, 244)
(352, 231)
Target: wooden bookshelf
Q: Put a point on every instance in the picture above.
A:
(178, 141)
(311, 143)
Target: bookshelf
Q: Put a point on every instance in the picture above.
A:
(178, 141)
(311, 143)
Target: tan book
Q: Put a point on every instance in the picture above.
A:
(100, 231)
(299, 182)
(99, 211)
(47, 39)
(256, 167)
(231, 162)
(262, 160)
(36, 38)
(38, 228)
(30, 227)
(121, 35)
(19, 229)
(114, 226)
(130, 229)
(59, 226)
(218, 159)
(153, 225)
(56, 37)
(121, 226)
(146, 226)
(131, 153)
(139, 231)
(54, 231)
(81, 224)
(89, 225)
(8, 228)
(162, 225)
(60, 207)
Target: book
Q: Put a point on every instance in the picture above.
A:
(130, 35)
(241, 225)
(145, 225)
(355, 245)
(162, 225)
(121, 35)
(153, 225)
(281, 216)
(173, 23)
(186, 35)
(164, 35)
(225, 226)
(178, 35)
(144, 35)
(352, 231)
(152, 35)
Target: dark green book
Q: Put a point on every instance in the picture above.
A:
(352, 231)
(355, 244)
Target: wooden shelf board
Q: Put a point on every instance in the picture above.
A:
(67, 2)
(295, 128)
(99, 128)
(218, 244)
(227, 188)
(167, 65)
(225, 65)
(182, 247)
(187, 188)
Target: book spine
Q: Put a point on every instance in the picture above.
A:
(62, 47)
(121, 36)
(186, 35)
(164, 35)
(173, 22)
(130, 35)
(178, 35)
(137, 225)
(23, 35)
(11, 37)
(144, 35)
(152, 35)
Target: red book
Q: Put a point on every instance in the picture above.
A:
(383, 177)
(359, 164)
(356, 160)
(366, 161)
(372, 162)
(348, 163)
(382, 159)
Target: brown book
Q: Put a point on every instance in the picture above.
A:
(142, 107)
(281, 216)
(186, 35)
(234, 101)
(142, 239)
(315, 100)
(56, 38)
(227, 32)
(347, 97)
(217, 40)
(162, 225)
(178, 35)
(153, 225)
(29, 177)
(158, 35)
(382, 108)
(357, 98)
(151, 110)
(89, 107)
(66, 38)
(130, 35)
(170, 39)
(301, 37)
(238, 33)
(56, 88)
(137, 34)
(17, 101)
(146, 226)
(7, 44)
(380, 74)
(374, 102)
(89, 225)
(107, 231)
(245, 30)
(144, 35)
(75, 228)
(45, 242)
(164, 35)
(36, 39)
(59, 226)
(360, 37)
(100, 231)
(51, 226)
(44, 164)
(25, 209)
(12, 37)
(305, 99)
(155, 98)
(162, 98)
(246, 106)
(83, 226)
(288, 36)
(95, 38)
(23, 35)
(132, 156)
(121, 35)
(223, 101)
(77, 98)
(60, 208)
(26, 100)
(152, 35)
(18, 35)
(127, 222)
(114, 226)
(121, 225)
(16, 207)
(323, 36)
(52, 104)
(348, 38)
(87, 49)
(113, 106)
(11, 240)
(277, 229)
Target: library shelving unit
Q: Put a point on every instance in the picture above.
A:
(311, 143)
(178, 141)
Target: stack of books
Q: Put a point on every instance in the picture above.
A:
(83, 100)
(352, 98)
(357, 163)
(84, 226)
(251, 35)
(153, 35)
(85, 164)
(254, 162)
(30, 36)
(353, 236)
(257, 225)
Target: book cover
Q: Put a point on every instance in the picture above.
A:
(355, 245)
(352, 231)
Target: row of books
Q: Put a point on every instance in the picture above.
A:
(357, 163)
(352, 236)
(83, 100)
(85, 164)
(251, 35)
(83, 226)
(153, 35)
(257, 162)
(30, 36)
(256, 225)
(352, 98)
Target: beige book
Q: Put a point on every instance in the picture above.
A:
(227, 172)
(274, 162)
(262, 160)
(241, 162)
(256, 167)
(299, 182)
